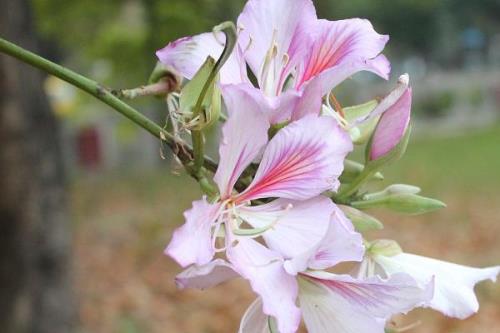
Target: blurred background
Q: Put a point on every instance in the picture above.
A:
(87, 204)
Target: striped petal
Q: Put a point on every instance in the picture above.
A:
(341, 304)
(243, 136)
(340, 49)
(302, 160)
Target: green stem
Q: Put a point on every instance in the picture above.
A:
(198, 150)
(183, 151)
(345, 193)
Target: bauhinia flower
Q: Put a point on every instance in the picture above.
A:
(300, 162)
(288, 50)
(454, 284)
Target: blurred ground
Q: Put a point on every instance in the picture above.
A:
(123, 223)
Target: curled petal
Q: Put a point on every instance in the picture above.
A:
(187, 55)
(239, 145)
(267, 29)
(303, 160)
(351, 43)
(192, 242)
(341, 304)
(254, 320)
(277, 289)
(297, 226)
(392, 126)
(340, 244)
(454, 294)
(206, 276)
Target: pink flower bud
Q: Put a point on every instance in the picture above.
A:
(392, 126)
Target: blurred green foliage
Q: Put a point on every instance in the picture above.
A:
(126, 33)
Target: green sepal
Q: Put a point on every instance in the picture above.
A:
(405, 203)
(384, 247)
(361, 133)
(362, 222)
(192, 91)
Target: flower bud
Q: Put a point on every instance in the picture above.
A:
(361, 221)
(391, 135)
(405, 203)
(393, 189)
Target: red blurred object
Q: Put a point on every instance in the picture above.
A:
(89, 148)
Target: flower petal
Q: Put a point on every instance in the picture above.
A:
(206, 276)
(298, 226)
(303, 160)
(278, 109)
(264, 269)
(341, 304)
(265, 25)
(186, 55)
(340, 244)
(254, 320)
(192, 242)
(243, 136)
(351, 42)
(454, 295)
(392, 126)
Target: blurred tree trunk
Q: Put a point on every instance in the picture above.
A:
(35, 242)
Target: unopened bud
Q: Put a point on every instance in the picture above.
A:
(361, 221)
(393, 127)
(405, 203)
(393, 189)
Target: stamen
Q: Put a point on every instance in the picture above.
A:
(286, 59)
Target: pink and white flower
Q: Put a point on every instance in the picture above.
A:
(288, 49)
(300, 162)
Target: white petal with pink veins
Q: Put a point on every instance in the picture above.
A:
(264, 269)
(296, 226)
(340, 244)
(344, 47)
(454, 295)
(192, 242)
(341, 304)
(303, 160)
(243, 136)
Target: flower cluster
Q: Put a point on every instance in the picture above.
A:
(288, 209)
